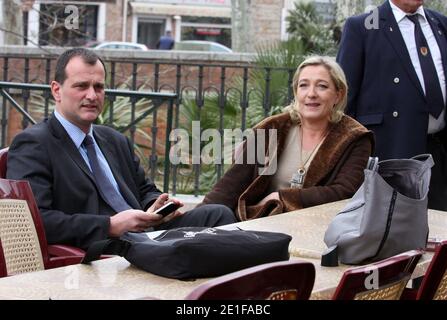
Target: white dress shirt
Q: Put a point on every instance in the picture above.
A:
(78, 136)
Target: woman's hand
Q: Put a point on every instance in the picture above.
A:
(273, 195)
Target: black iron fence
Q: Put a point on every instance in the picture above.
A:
(219, 95)
(156, 100)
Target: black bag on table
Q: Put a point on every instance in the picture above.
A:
(195, 252)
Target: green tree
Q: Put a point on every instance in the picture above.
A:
(307, 27)
(438, 5)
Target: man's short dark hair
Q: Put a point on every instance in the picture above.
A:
(88, 56)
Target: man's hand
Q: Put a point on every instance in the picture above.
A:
(160, 202)
(139, 220)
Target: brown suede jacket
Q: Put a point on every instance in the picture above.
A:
(335, 173)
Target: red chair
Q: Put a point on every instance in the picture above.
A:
(53, 250)
(3, 271)
(434, 283)
(3, 162)
(383, 280)
(285, 280)
(22, 236)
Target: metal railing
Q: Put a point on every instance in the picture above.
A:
(229, 85)
(157, 99)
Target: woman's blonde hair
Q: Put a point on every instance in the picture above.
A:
(338, 77)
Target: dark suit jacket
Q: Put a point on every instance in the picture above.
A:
(71, 207)
(385, 94)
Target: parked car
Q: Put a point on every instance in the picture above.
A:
(117, 45)
(197, 45)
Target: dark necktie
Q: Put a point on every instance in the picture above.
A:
(433, 91)
(110, 195)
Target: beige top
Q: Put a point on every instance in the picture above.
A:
(290, 160)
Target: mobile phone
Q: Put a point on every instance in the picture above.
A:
(167, 208)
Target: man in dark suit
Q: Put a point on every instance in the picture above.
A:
(86, 179)
(390, 90)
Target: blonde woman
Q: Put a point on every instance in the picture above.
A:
(320, 151)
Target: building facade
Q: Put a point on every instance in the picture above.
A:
(74, 23)
(241, 24)
(208, 20)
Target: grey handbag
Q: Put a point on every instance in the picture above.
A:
(386, 216)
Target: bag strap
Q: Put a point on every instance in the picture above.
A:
(112, 246)
(329, 258)
(421, 156)
(427, 162)
(372, 163)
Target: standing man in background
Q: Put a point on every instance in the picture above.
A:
(396, 69)
(166, 42)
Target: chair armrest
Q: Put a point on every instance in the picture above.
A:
(57, 262)
(58, 250)
(409, 294)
